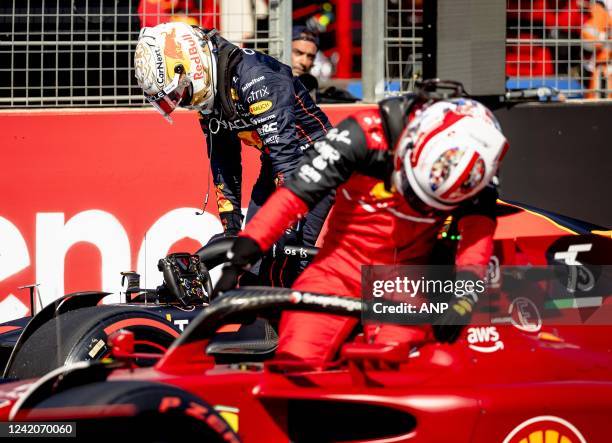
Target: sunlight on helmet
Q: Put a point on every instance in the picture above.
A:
(160, 52)
(449, 152)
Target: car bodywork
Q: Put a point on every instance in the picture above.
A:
(551, 385)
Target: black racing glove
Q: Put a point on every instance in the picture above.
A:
(232, 223)
(243, 254)
(448, 327)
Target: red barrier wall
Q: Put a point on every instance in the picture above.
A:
(87, 194)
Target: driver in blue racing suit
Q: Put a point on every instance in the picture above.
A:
(242, 95)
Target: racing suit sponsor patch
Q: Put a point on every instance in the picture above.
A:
(261, 120)
(337, 136)
(258, 94)
(252, 82)
(328, 155)
(260, 107)
(214, 124)
(327, 151)
(273, 139)
(309, 174)
(268, 128)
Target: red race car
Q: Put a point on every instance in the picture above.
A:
(507, 383)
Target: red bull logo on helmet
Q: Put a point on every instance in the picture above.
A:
(171, 47)
(194, 56)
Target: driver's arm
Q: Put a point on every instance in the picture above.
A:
(224, 152)
(325, 167)
(477, 222)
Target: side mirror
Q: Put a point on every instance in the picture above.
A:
(121, 344)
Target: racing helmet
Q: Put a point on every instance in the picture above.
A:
(449, 152)
(175, 67)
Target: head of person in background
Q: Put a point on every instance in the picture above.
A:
(304, 47)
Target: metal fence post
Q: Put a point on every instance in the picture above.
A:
(281, 22)
(373, 47)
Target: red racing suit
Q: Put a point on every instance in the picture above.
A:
(368, 226)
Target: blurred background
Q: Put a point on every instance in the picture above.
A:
(56, 53)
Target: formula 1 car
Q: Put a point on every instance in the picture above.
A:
(76, 327)
(504, 383)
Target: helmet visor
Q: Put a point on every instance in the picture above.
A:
(166, 100)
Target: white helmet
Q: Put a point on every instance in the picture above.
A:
(448, 153)
(175, 66)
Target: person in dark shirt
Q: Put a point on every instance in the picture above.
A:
(242, 95)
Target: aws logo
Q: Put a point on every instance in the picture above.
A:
(545, 429)
(260, 107)
(484, 339)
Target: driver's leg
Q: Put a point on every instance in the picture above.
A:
(310, 336)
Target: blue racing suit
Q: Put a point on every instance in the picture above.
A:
(261, 104)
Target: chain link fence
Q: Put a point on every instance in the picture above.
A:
(562, 44)
(403, 44)
(56, 53)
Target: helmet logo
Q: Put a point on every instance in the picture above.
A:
(443, 166)
(159, 65)
(171, 47)
(194, 57)
(147, 68)
(160, 52)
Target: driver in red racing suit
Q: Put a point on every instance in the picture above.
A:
(390, 206)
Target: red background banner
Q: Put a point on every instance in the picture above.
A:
(89, 193)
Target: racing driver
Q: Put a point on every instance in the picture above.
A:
(241, 95)
(400, 170)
